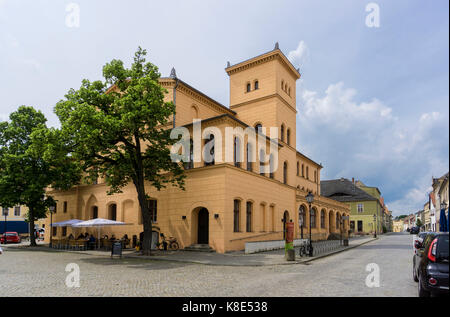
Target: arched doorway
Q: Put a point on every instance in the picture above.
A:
(203, 226)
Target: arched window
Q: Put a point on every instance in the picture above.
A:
(237, 152)
(282, 84)
(258, 128)
(315, 176)
(337, 221)
(307, 172)
(209, 150)
(313, 217)
(256, 85)
(282, 132)
(262, 156)
(322, 219)
(301, 217)
(249, 157)
(190, 163)
(236, 215)
(94, 212)
(298, 168)
(288, 136)
(249, 87)
(303, 170)
(249, 216)
(194, 111)
(271, 165)
(285, 172)
(112, 212)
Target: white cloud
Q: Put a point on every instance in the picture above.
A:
(299, 56)
(366, 141)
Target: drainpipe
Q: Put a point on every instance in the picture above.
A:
(173, 75)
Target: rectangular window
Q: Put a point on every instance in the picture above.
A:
(5, 211)
(236, 216)
(153, 206)
(249, 216)
(360, 208)
(54, 231)
(64, 231)
(65, 207)
(17, 211)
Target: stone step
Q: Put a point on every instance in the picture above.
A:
(199, 247)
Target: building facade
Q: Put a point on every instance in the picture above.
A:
(13, 219)
(365, 210)
(225, 204)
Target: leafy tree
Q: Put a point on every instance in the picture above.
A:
(121, 133)
(419, 223)
(32, 158)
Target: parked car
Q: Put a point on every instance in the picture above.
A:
(414, 230)
(11, 237)
(420, 238)
(430, 264)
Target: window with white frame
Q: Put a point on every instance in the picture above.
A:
(360, 208)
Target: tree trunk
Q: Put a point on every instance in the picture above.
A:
(31, 223)
(146, 245)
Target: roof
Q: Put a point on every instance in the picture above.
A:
(343, 190)
(200, 93)
(276, 52)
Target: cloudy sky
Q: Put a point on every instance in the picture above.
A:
(373, 102)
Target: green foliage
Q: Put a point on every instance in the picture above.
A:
(119, 129)
(419, 223)
(32, 157)
(120, 134)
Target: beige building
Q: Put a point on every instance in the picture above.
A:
(226, 204)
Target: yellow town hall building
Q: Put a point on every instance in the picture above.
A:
(224, 204)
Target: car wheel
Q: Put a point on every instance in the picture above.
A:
(422, 291)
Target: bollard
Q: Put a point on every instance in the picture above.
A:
(290, 255)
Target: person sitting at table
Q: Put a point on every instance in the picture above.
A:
(91, 242)
(80, 237)
(71, 237)
(113, 237)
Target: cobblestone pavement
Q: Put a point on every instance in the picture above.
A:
(42, 273)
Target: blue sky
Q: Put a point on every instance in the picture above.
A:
(373, 103)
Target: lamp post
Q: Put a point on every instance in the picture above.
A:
(52, 210)
(4, 234)
(310, 199)
(375, 225)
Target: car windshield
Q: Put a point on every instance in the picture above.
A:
(442, 247)
(11, 234)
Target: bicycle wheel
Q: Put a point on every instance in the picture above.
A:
(174, 246)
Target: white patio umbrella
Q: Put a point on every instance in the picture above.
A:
(98, 222)
(67, 223)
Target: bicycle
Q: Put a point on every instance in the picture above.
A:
(167, 244)
(304, 250)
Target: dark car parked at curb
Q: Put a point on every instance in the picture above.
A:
(430, 264)
(414, 230)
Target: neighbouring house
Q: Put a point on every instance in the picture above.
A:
(366, 211)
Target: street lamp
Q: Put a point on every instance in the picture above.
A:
(4, 234)
(310, 199)
(52, 210)
(375, 225)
